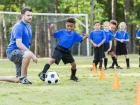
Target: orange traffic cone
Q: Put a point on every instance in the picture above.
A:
(116, 84)
(137, 99)
(102, 74)
(94, 71)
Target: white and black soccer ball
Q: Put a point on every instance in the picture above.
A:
(52, 77)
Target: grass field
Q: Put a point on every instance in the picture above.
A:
(88, 91)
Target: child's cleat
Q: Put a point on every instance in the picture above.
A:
(118, 67)
(41, 75)
(74, 78)
(105, 68)
(111, 67)
(128, 67)
(24, 80)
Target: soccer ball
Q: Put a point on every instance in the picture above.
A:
(52, 78)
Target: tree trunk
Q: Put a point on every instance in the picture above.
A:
(127, 20)
(91, 23)
(1, 42)
(114, 2)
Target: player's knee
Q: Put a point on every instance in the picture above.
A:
(27, 54)
(51, 61)
(73, 65)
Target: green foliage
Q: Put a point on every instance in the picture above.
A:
(41, 5)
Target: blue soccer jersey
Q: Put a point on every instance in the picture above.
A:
(108, 36)
(66, 38)
(97, 36)
(122, 35)
(138, 33)
(20, 31)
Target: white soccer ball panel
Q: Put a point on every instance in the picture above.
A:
(52, 78)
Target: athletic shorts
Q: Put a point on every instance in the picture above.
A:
(121, 48)
(99, 52)
(62, 53)
(16, 57)
(106, 47)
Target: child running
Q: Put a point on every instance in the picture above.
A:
(121, 38)
(67, 37)
(97, 38)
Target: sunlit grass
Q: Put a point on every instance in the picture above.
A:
(88, 91)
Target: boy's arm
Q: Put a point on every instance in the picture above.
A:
(110, 45)
(51, 29)
(85, 36)
(101, 42)
(93, 43)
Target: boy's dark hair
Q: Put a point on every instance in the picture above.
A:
(97, 21)
(114, 22)
(71, 20)
(25, 9)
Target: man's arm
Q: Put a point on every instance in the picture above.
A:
(20, 45)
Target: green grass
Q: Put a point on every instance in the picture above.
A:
(88, 91)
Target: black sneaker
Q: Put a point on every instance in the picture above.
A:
(24, 80)
(105, 68)
(74, 78)
(118, 67)
(111, 67)
(128, 67)
(42, 76)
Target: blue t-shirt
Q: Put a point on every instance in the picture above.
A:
(122, 35)
(108, 36)
(66, 38)
(20, 31)
(97, 36)
(138, 33)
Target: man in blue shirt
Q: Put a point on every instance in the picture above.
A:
(18, 50)
(67, 37)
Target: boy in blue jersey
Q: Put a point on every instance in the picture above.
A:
(121, 38)
(108, 42)
(97, 38)
(67, 37)
(18, 50)
(112, 28)
(138, 37)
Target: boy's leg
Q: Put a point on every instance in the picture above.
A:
(45, 69)
(105, 63)
(57, 56)
(139, 61)
(127, 63)
(100, 65)
(73, 72)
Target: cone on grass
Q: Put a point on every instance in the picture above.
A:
(102, 74)
(94, 71)
(116, 84)
(137, 98)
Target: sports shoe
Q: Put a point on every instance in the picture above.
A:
(24, 80)
(105, 68)
(111, 67)
(42, 76)
(74, 78)
(128, 67)
(118, 67)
